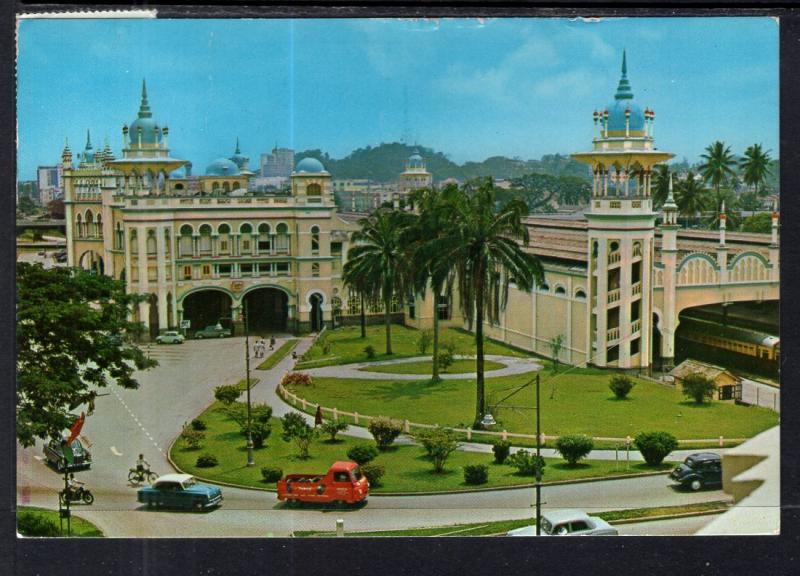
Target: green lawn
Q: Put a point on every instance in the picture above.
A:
(407, 467)
(426, 367)
(79, 527)
(347, 346)
(278, 354)
(574, 401)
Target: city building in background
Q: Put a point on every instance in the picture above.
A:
(278, 164)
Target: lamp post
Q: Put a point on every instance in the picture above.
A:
(250, 461)
(538, 463)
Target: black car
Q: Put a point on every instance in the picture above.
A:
(82, 458)
(698, 470)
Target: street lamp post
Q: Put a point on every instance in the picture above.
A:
(538, 463)
(250, 461)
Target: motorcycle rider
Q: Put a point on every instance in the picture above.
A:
(73, 486)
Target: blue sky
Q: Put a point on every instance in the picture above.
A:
(470, 88)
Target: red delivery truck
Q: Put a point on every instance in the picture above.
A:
(342, 483)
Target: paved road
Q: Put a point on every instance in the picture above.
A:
(146, 420)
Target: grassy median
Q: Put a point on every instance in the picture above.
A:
(278, 354)
(40, 522)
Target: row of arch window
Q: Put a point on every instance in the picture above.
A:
(88, 225)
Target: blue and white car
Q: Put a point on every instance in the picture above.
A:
(170, 337)
(180, 491)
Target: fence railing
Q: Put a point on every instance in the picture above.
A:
(408, 426)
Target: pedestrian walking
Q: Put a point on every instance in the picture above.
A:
(318, 416)
(272, 342)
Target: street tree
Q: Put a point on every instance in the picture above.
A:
(68, 326)
(718, 164)
(755, 166)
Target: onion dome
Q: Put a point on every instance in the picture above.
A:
(144, 124)
(238, 159)
(623, 109)
(310, 166)
(222, 167)
(88, 152)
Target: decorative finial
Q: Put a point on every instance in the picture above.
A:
(624, 87)
(237, 146)
(88, 140)
(624, 64)
(144, 107)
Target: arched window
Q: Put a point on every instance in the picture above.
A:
(185, 242)
(215, 188)
(89, 229)
(78, 226)
(545, 287)
(134, 245)
(151, 243)
(224, 238)
(264, 238)
(98, 229)
(226, 187)
(119, 237)
(580, 294)
(205, 238)
(282, 238)
(560, 290)
(245, 245)
(315, 239)
(313, 190)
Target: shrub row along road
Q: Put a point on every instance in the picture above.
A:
(147, 420)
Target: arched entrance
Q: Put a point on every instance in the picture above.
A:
(207, 308)
(91, 261)
(316, 312)
(267, 308)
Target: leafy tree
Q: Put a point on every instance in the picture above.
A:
(718, 200)
(698, 387)
(761, 223)
(555, 344)
(718, 164)
(26, 205)
(333, 427)
(259, 426)
(574, 447)
(378, 259)
(439, 443)
(486, 248)
(227, 394)
(755, 166)
(295, 428)
(67, 326)
(655, 446)
(424, 340)
(750, 201)
(56, 209)
(690, 196)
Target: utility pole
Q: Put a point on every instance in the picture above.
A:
(250, 461)
(538, 462)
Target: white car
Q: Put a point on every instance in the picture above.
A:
(568, 523)
(170, 337)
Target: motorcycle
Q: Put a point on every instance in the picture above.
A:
(76, 495)
(138, 476)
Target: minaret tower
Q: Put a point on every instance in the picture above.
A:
(621, 225)
(669, 257)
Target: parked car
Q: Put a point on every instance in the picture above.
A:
(213, 332)
(342, 483)
(568, 523)
(698, 470)
(170, 337)
(54, 452)
(180, 491)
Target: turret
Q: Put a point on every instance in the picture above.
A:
(722, 224)
(66, 156)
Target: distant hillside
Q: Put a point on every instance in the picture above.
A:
(384, 163)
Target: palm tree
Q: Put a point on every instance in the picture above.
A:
(718, 164)
(485, 249)
(714, 204)
(756, 166)
(660, 184)
(690, 196)
(430, 267)
(363, 291)
(377, 261)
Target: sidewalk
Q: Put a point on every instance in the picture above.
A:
(264, 391)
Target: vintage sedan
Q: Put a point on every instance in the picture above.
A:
(216, 331)
(54, 452)
(568, 523)
(699, 470)
(170, 337)
(180, 491)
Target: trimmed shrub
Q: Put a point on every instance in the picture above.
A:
(370, 352)
(32, 524)
(374, 473)
(526, 462)
(333, 427)
(193, 438)
(574, 447)
(296, 379)
(698, 387)
(439, 443)
(198, 424)
(227, 394)
(207, 461)
(476, 474)
(271, 474)
(385, 431)
(501, 449)
(655, 446)
(362, 453)
(621, 385)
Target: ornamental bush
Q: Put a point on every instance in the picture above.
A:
(193, 438)
(698, 387)
(296, 379)
(385, 431)
(526, 462)
(370, 352)
(32, 524)
(439, 443)
(621, 385)
(198, 424)
(374, 473)
(574, 447)
(655, 446)
(207, 461)
(271, 474)
(333, 427)
(424, 341)
(227, 394)
(476, 474)
(362, 453)
(501, 449)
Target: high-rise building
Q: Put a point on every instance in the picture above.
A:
(49, 182)
(278, 164)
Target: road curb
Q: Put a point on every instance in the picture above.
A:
(668, 516)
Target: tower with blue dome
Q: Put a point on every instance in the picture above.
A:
(621, 226)
(415, 175)
(311, 183)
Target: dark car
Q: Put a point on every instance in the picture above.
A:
(54, 452)
(213, 332)
(698, 470)
(180, 491)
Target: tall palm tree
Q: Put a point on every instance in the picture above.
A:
(691, 196)
(718, 164)
(755, 166)
(377, 262)
(714, 205)
(660, 189)
(486, 250)
(430, 266)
